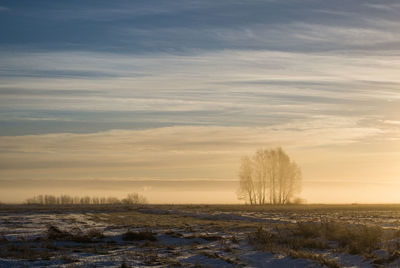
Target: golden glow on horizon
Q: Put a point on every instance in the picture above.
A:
(344, 164)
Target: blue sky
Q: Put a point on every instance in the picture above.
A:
(185, 26)
(316, 77)
(45, 43)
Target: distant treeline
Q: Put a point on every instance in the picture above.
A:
(130, 199)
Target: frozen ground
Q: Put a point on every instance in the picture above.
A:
(194, 236)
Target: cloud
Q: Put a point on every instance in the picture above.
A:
(184, 26)
(391, 122)
(167, 150)
(392, 7)
(226, 88)
(298, 36)
(2, 9)
(121, 10)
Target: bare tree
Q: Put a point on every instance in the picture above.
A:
(246, 189)
(269, 176)
(131, 199)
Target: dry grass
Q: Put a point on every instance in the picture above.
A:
(316, 257)
(43, 248)
(207, 237)
(137, 219)
(214, 255)
(355, 239)
(27, 251)
(284, 241)
(297, 241)
(139, 236)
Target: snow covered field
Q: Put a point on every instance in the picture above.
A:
(196, 236)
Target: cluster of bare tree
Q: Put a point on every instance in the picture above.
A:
(269, 176)
(131, 199)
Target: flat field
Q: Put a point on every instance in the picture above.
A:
(200, 236)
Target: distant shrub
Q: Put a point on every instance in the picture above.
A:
(125, 265)
(209, 237)
(133, 199)
(235, 240)
(53, 233)
(76, 235)
(137, 236)
(306, 230)
(298, 201)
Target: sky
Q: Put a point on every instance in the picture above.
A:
(165, 97)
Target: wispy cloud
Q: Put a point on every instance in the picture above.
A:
(183, 26)
(161, 151)
(228, 88)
